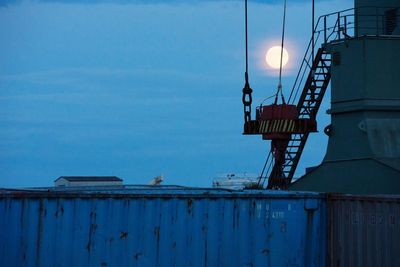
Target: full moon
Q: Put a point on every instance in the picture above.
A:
(273, 57)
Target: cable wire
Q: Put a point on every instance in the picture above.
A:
(246, 34)
(281, 59)
(247, 91)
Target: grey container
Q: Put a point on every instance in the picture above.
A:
(364, 231)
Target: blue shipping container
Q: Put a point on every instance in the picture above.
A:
(162, 227)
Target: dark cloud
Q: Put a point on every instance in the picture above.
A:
(8, 2)
(11, 2)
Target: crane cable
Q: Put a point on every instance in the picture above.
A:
(247, 98)
(279, 90)
(246, 41)
(281, 59)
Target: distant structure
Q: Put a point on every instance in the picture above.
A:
(236, 181)
(87, 181)
(157, 180)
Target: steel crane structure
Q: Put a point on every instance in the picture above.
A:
(307, 93)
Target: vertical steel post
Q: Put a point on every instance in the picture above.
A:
(356, 22)
(325, 30)
(338, 23)
(313, 25)
(377, 22)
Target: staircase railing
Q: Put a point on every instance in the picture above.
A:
(333, 27)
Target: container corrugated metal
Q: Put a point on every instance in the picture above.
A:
(139, 226)
(364, 231)
(164, 227)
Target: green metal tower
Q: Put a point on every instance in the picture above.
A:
(363, 154)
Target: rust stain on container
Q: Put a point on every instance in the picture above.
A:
(363, 231)
(197, 227)
(92, 231)
(39, 233)
(123, 235)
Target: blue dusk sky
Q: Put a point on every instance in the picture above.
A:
(141, 88)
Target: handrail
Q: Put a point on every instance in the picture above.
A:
(344, 25)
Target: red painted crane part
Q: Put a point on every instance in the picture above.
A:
(277, 122)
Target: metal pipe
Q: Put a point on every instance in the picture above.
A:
(338, 22)
(356, 22)
(325, 30)
(376, 18)
(313, 27)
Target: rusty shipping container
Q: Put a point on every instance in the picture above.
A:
(173, 226)
(364, 230)
(161, 227)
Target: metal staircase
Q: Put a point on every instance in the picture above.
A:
(309, 103)
(313, 79)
